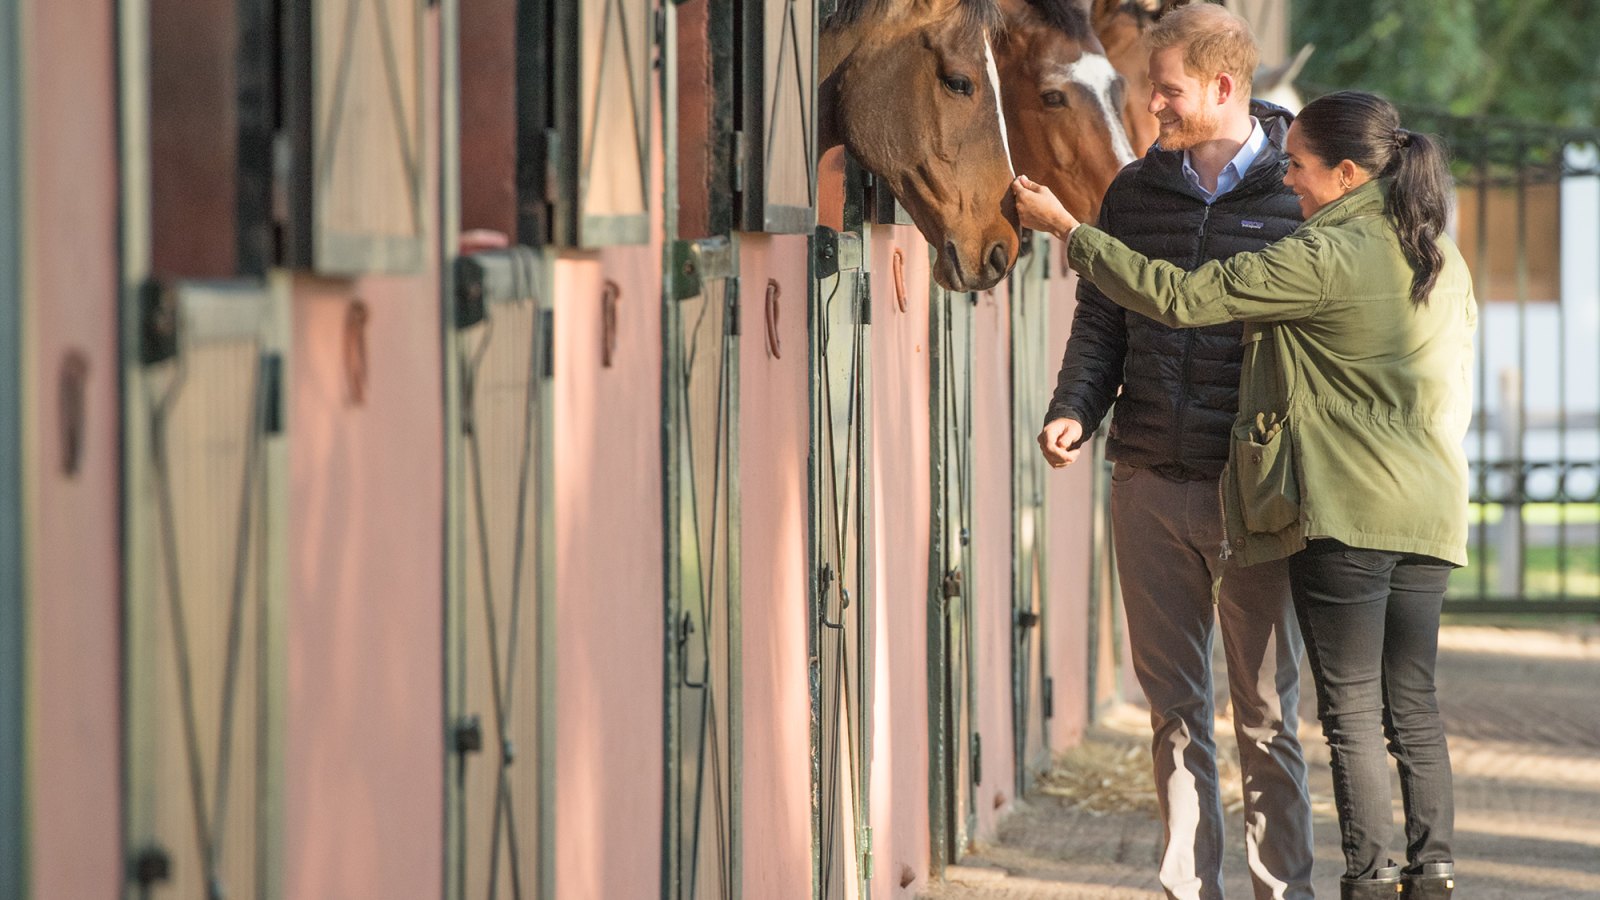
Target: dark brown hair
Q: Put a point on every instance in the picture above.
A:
(1365, 129)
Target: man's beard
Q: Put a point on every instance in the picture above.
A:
(1189, 131)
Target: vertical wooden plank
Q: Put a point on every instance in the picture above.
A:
(13, 578)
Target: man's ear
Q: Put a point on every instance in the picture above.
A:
(1226, 88)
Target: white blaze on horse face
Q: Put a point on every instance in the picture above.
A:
(999, 111)
(1094, 72)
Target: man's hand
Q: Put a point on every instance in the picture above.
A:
(1058, 440)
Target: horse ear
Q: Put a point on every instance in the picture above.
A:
(1101, 11)
(829, 134)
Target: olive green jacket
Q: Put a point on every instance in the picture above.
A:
(1353, 400)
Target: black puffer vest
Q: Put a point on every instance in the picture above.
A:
(1179, 386)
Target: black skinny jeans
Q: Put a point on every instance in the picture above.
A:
(1370, 619)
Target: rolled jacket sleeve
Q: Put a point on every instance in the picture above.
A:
(1280, 283)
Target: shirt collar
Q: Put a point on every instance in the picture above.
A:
(1233, 172)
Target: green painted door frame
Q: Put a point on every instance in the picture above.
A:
(1031, 379)
(955, 747)
(841, 551)
(13, 577)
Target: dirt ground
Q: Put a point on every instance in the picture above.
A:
(1522, 711)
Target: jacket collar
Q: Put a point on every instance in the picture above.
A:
(1365, 200)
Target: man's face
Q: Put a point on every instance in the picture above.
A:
(1186, 106)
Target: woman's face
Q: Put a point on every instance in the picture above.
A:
(1313, 181)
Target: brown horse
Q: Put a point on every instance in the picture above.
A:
(1063, 102)
(1120, 25)
(911, 90)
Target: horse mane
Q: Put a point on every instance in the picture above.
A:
(978, 15)
(1066, 16)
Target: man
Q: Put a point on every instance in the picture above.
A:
(1210, 187)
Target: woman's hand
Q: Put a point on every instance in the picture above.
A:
(1038, 208)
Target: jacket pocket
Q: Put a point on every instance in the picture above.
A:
(1263, 471)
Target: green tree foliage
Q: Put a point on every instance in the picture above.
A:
(1535, 60)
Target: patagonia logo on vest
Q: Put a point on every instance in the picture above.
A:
(1252, 223)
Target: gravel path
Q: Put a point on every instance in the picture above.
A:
(1522, 709)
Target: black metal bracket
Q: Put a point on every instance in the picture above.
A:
(693, 263)
(467, 735)
(158, 323)
(835, 251)
(151, 865)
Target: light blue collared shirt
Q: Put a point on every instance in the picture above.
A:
(1233, 172)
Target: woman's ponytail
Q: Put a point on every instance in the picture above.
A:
(1419, 204)
(1365, 129)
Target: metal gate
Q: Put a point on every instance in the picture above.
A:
(205, 517)
(501, 694)
(841, 552)
(1031, 378)
(1529, 227)
(203, 354)
(704, 686)
(957, 765)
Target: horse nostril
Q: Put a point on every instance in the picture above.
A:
(998, 257)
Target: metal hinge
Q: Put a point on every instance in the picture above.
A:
(552, 166)
(547, 325)
(864, 295)
(150, 866)
(158, 323)
(693, 263)
(1049, 698)
(1027, 619)
(866, 852)
(977, 758)
(272, 378)
(661, 26)
(467, 735)
(741, 156)
(734, 324)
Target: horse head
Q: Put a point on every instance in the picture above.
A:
(1063, 102)
(912, 92)
(1120, 26)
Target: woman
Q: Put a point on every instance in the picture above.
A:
(1346, 455)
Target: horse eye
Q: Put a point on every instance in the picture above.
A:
(1054, 99)
(959, 84)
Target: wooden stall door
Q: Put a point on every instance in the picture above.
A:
(1032, 376)
(775, 147)
(367, 142)
(703, 680)
(841, 631)
(206, 573)
(604, 55)
(500, 660)
(957, 747)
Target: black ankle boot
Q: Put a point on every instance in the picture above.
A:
(1383, 885)
(1435, 882)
